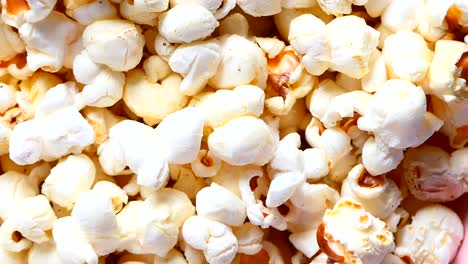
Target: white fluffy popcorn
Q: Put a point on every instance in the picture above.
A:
(434, 235)
(401, 15)
(103, 86)
(95, 212)
(351, 42)
(44, 253)
(224, 105)
(407, 56)
(217, 241)
(378, 158)
(134, 145)
(71, 243)
(339, 7)
(379, 195)
(11, 45)
(187, 23)
(152, 226)
(351, 234)
(260, 7)
(70, 178)
(249, 238)
(397, 115)
(241, 141)
(86, 12)
(197, 62)
(28, 223)
(444, 75)
(57, 130)
(179, 135)
(143, 12)
(16, 13)
(117, 44)
(49, 55)
(307, 35)
(219, 204)
(242, 62)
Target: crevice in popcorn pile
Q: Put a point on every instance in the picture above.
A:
(233, 131)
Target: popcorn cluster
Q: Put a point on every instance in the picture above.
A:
(232, 131)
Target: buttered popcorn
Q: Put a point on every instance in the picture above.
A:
(232, 131)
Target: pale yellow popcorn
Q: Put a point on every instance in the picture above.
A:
(28, 223)
(141, 93)
(234, 24)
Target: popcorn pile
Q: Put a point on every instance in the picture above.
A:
(232, 131)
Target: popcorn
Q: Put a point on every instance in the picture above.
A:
(434, 235)
(140, 94)
(173, 257)
(217, 241)
(241, 141)
(95, 213)
(434, 175)
(260, 8)
(122, 150)
(307, 35)
(339, 7)
(117, 44)
(234, 24)
(88, 12)
(219, 204)
(351, 43)
(372, 81)
(7, 97)
(16, 13)
(224, 105)
(305, 242)
(345, 105)
(13, 257)
(44, 253)
(379, 195)
(44, 137)
(361, 238)
(397, 115)
(219, 8)
(445, 79)
(455, 122)
(49, 55)
(249, 238)
(163, 47)
(242, 62)
(101, 119)
(28, 223)
(152, 226)
(71, 243)
(282, 187)
(187, 23)
(11, 45)
(205, 165)
(401, 15)
(319, 100)
(407, 56)
(188, 183)
(378, 158)
(271, 46)
(431, 22)
(70, 178)
(375, 8)
(103, 87)
(143, 12)
(298, 3)
(197, 62)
